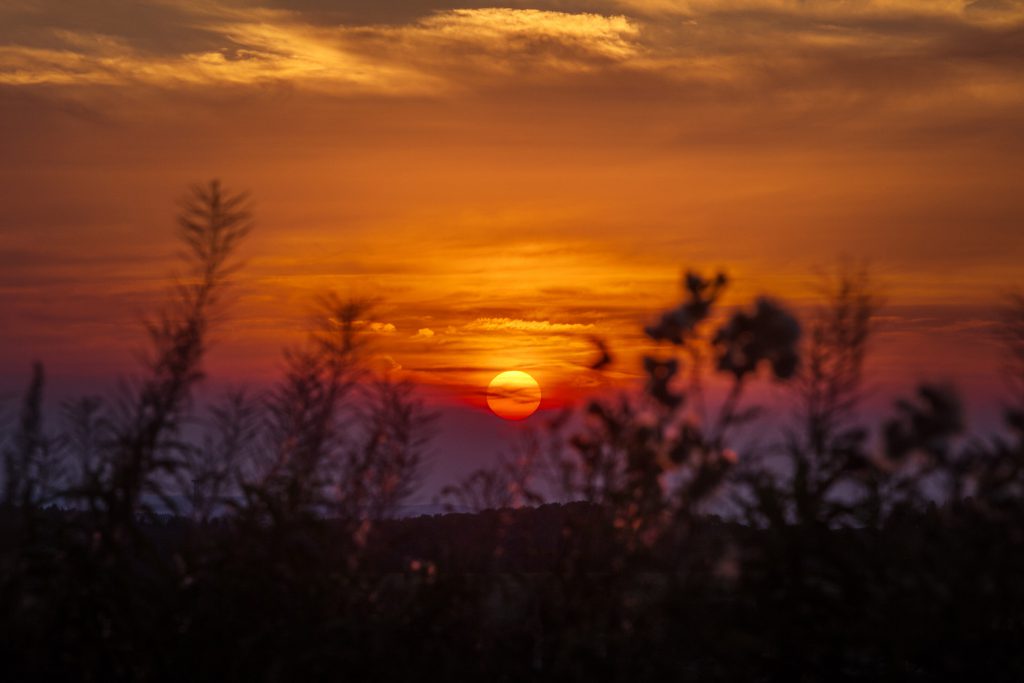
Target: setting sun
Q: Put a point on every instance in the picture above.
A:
(513, 395)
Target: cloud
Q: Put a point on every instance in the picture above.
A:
(560, 38)
(518, 325)
(380, 328)
(249, 52)
(1001, 9)
(256, 45)
(835, 54)
(424, 333)
(385, 363)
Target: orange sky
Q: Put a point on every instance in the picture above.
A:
(510, 181)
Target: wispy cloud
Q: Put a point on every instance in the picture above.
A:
(259, 45)
(379, 327)
(699, 43)
(517, 325)
(251, 52)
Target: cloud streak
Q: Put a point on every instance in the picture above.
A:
(711, 48)
(261, 45)
(532, 326)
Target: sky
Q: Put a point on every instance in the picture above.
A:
(509, 181)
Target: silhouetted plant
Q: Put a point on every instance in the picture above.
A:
(32, 470)
(216, 469)
(654, 462)
(85, 433)
(384, 467)
(511, 482)
(824, 466)
(146, 450)
(339, 441)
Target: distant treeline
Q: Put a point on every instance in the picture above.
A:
(538, 539)
(546, 593)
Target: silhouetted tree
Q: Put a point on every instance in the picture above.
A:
(32, 470)
(216, 469)
(86, 432)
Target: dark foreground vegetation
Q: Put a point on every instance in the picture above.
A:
(824, 549)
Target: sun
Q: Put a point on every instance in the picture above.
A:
(513, 395)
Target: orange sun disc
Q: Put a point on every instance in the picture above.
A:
(513, 395)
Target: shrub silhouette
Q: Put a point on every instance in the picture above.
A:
(679, 532)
